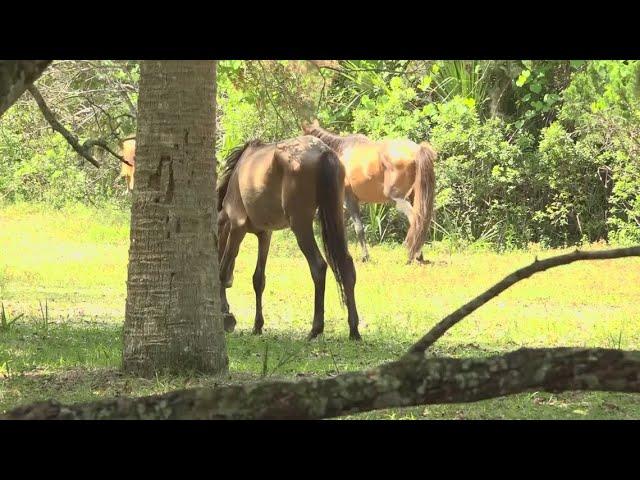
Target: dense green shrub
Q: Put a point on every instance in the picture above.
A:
(481, 176)
(602, 111)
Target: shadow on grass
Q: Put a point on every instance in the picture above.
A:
(79, 362)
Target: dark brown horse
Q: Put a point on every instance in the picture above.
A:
(382, 171)
(268, 187)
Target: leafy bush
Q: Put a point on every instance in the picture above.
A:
(483, 176)
(43, 168)
(602, 111)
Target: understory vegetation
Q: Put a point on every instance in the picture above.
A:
(542, 152)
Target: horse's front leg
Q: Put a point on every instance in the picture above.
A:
(227, 263)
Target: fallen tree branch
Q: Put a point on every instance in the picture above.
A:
(414, 380)
(537, 266)
(15, 77)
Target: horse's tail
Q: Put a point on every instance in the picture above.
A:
(330, 196)
(424, 187)
(230, 164)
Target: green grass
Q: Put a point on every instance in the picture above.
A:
(75, 260)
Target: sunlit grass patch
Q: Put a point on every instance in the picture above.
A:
(74, 261)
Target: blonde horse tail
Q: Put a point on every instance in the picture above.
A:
(424, 187)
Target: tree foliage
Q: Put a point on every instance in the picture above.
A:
(530, 150)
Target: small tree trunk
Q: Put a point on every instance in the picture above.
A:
(173, 322)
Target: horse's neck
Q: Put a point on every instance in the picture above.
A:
(336, 142)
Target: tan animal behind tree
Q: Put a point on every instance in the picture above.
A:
(384, 171)
(129, 153)
(268, 187)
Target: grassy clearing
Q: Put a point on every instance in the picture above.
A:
(75, 260)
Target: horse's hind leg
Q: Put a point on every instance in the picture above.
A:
(405, 207)
(264, 240)
(227, 262)
(223, 235)
(354, 212)
(303, 231)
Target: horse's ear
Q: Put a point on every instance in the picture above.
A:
(308, 126)
(385, 161)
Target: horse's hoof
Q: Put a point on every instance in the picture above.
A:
(257, 331)
(229, 282)
(419, 261)
(365, 259)
(355, 336)
(229, 322)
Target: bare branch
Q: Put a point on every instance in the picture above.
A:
(15, 77)
(132, 109)
(352, 70)
(105, 146)
(57, 126)
(275, 108)
(415, 380)
(537, 266)
(83, 150)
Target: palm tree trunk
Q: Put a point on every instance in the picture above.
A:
(173, 322)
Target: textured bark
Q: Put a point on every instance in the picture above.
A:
(537, 266)
(172, 320)
(415, 380)
(15, 78)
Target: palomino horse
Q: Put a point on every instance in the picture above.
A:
(268, 187)
(383, 171)
(129, 154)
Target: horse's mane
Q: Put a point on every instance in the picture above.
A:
(335, 142)
(230, 164)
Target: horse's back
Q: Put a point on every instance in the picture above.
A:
(278, 179)
(400, 152)
(364, 171)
